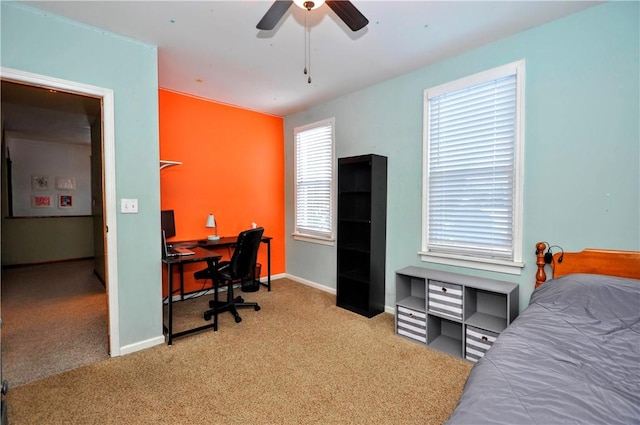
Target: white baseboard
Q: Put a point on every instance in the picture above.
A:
(311, 283)
(141, 345)
(387, 309)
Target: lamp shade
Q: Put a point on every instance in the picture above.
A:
(211, 221)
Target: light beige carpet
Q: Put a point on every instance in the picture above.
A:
(300, 360)
(54, 319)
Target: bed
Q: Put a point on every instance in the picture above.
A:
(572, 356)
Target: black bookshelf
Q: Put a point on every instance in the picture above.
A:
(362, 228)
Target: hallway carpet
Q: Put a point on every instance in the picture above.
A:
(54, 319)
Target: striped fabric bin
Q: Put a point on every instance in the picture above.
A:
(445, 298)
(412, 324)
(478, 341)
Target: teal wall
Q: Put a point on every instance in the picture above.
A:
(42, 43)
(582, 142)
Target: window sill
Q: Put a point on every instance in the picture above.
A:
(313, 239)
(486, 264)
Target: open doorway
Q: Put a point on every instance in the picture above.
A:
(52, 237)
(102, 202)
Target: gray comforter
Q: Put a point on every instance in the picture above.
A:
(573, 356)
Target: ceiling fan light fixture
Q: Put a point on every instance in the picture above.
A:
(308, 4)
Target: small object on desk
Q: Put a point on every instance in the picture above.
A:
(202, 241)
(181, 251)
(169, 251)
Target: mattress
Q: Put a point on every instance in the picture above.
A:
(573, 356)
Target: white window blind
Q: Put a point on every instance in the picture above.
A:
(314, 179)
(471, 170)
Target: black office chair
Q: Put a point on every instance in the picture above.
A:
(241, 266)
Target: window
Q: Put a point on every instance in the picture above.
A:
(314, 175)
(472, 168)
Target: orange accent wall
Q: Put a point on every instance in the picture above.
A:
(232, 166)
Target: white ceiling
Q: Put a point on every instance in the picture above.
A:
(213, 50)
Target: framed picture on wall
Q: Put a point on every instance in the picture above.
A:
(41, 201)
(39, 182)
(65, 201)
(65, 183)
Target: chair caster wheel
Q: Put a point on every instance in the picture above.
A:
(207, 316)
(257, 308)
(238, 319)
(240, 300)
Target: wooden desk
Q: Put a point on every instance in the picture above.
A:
(224, 242)
(201, 255)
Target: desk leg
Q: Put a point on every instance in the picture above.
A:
(213, 265)
(268, 265)
(268, 285)
(181, 282)
(169, 303)
(211, 262)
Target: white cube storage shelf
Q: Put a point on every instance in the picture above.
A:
(457, 314)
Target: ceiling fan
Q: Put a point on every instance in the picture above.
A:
(343, 8)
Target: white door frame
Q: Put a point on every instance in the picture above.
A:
(109, 171)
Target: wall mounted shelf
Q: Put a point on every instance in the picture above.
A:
(167, 164)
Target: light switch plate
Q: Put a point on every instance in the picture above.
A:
(129, 206)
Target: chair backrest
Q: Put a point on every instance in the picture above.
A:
(244, 257)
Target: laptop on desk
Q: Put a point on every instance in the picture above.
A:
(171, 252)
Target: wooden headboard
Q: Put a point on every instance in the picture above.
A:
(592, 261)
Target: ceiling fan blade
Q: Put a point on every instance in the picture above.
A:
(274, 14)
(348, 13)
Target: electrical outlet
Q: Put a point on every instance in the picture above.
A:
(129, 206)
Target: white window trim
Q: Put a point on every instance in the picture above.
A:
(313, 239)
(509, 267)
(304, 237)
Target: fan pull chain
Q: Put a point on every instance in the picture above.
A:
(307, 50)
(305, 44)
(309, 59)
